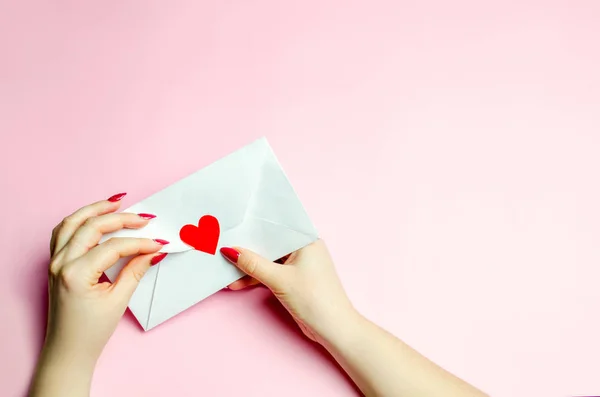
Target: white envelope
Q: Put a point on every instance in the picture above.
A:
(257, 208)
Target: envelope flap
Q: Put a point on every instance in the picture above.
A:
(222, 189)
(276, 202)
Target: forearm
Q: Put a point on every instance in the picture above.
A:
(59, 373)
(382, 365)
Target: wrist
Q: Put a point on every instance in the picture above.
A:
(61, 373)
(57, 354)
(337, 327)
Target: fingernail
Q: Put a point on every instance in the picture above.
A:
(158, 258)
(116, 197)
(230, 254)
(147, 216)
(161, 241)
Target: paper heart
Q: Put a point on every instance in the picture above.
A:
(203, 237)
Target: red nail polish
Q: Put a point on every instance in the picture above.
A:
(230, 254)
(158, 258)
(147, 216)
(116, 197)
(161, 241)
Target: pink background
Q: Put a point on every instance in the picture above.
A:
(448, 153)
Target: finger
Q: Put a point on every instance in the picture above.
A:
(242, 283)
(53, 241)
(131, 274)
(71, 223)
(253, 265)
(104, 255)
(90, 233)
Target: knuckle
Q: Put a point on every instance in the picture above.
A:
(112, 254)
(119, 244)
(68, 275)
(137, 274)
(69, 220)
(56, 228)
(251, 265)
(110, 248)
(91, 222)
(53, 268)
(111, 242)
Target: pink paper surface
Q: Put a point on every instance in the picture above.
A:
(448, 153)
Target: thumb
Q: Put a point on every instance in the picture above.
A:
(252, 264)
(131, 274)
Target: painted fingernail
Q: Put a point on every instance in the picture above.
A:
(230, 254)
(116, 197)
(147, 216)
(161, 241)
(158, 258)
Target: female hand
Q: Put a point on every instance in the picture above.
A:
(306, 284)
(83, 313)
(379, 363)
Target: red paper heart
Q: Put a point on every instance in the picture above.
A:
(203, 237)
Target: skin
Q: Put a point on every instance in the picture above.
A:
(379, 363)
(83, 312)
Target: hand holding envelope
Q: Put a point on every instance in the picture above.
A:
(244, 199)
